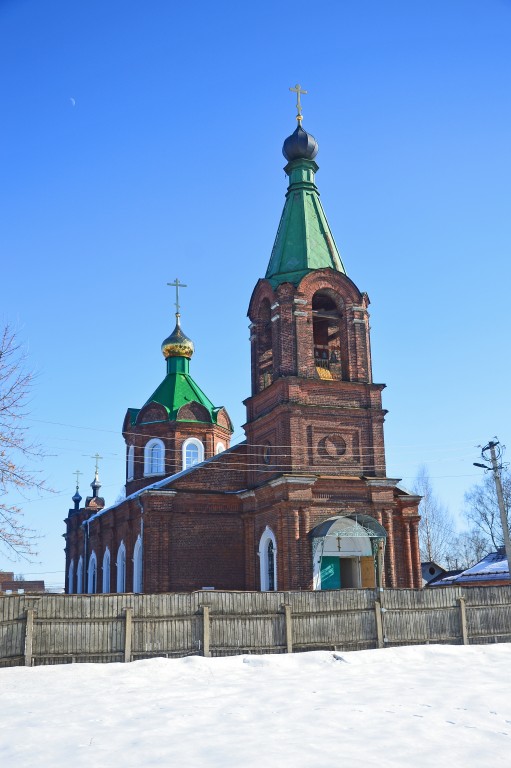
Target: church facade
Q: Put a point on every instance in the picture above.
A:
(304, 502)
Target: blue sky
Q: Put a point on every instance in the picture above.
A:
(140, 142)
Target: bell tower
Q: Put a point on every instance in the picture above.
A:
(314, 406)
(315, 445)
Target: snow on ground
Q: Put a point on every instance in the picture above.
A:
(417, 706)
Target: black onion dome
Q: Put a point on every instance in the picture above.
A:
(300, 146)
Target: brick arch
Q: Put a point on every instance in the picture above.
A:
(328, 279)
(262, 290)
(262, 335)
(223, 419)
(351, 354)
(152, 412)
(193, 412)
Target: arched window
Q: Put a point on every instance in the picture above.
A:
(121, 568)
(220, 447)
(106, 571)
(92, 574)
(71, 578)
(193, 452)
(154, 457)
(326, 321)
(130, 473)
(137, 566)
(264, 346)
(268, 561)
(79, 577)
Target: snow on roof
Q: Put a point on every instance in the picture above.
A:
(493, 567)
(159, 484)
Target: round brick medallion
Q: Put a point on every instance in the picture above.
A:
(332, 446)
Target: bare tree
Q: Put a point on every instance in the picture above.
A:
(436, 527)
(482, 508)
(468, 548)
(16, 449)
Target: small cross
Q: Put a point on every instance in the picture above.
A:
(177, 286)
(97, 457)
(298, 90)
(77, 473)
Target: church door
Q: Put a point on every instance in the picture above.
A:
(330, 573)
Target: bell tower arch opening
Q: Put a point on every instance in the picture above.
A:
(264, 353)
(326, 329)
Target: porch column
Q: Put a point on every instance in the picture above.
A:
(389, 527)
(408, 553)
(416, 555)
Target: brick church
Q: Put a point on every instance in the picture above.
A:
(304, 502)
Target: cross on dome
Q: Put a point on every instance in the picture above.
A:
(177, 285)
(298, 90)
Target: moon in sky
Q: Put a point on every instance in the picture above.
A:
(73, 101)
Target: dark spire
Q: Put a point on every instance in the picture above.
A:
(77, 499)
(95, 485)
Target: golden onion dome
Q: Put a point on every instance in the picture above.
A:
(177, 344)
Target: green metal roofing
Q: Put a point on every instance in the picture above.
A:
(304, 241)
(178, 389)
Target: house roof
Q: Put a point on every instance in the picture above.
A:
(493, 567)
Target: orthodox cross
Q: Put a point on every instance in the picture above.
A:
(77, 473)
(177, 285)
(97, 457)
(298, 90)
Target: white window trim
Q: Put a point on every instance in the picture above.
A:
(137, 565)
(92, 569)
(121, 568)
(220, 448)
(79, 576)
(106, 571)
(130, 473)
(267, 536)
(147, 457)
(71, 577)
(200, 446)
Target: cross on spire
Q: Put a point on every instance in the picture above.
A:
(77, 473)
(177, 285)
(298, 90)
(97, 457)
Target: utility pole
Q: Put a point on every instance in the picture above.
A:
(495, 452)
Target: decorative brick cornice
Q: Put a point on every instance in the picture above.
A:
(293, 480)
(385, 482)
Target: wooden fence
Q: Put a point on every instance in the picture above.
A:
(58, 629)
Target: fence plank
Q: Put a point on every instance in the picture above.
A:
(106, 628)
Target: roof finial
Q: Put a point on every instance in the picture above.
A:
(77, 498)
(177, 285)
(96, 485)
(298, 90)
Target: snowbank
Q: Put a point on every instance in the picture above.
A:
(420, 706)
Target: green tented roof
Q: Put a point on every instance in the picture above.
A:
(304, 241)
(176, 390)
